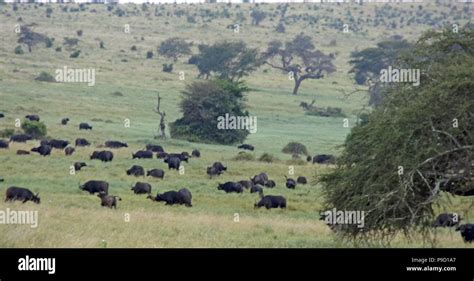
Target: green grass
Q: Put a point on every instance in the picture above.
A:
(71, 218)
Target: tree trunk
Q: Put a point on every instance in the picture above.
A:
(297, 85)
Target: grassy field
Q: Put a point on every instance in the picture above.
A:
(69, 217)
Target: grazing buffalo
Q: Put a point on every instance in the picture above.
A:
(290, 183)
(20, 138)
(246, 146)
(69, 150)
(231, 186)
(213, 171)
(115, 144)
(161, 155)
(109, 201)
(58, 144)
(78, 165)
(183, 196)
(154, 148)
(323, 159)
(4, 144)
(104, 156)
(85, 126)
(196, 153)
(301, 180)
(246, 184)
(94, 186)
(141, 188)
(2, 115)
(142, 154)
(22, 152)
(467, 232)
(178, 155)
(261, 179)
(446, 220)
(32, 117)
(173, 162)
(270, 184)
(82, 142)
(156, 173)
(136, 170)
(64, 121)
(219, 166)
(21, 194)
(256, 189)
(271, 201)
(43, 150)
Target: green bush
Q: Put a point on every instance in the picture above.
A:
(267, 157)
(295, 148)
(6, 133)
(75, 54)
(244, 156)
(34, 128)
(19, 50)
(45, 77)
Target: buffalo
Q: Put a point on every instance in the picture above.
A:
(156, 173)
(301, 180)
(161, 155)
(246, 184)
(94, 186)
(64, 121)
(213, 171)
(78, 165)
(109, 201)
(104, 156)
(271, 201)
(290, 183)
(256, 189)
(467, 232)
(32, 117)
(323, 159)
(246, 146)
(173, 162)
(136, 171)
(14, 193)
(2, 115)
(82, 142)
(20, 138)
(115, 144)
(196, 153)
(270, 184)
(446, 220)
(181, 156)
(22, 152)
(142, 154)
(58, 144)
(69, 150)
(230, 186)
(181, 197)
(4, 144)
(43, 150)
(154, 148)
(85, 126)
(261, 179)
(219, 166)
(142, 188)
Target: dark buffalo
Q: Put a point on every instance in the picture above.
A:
(43, 150)
(246, 184)
(22, 152)
(446, 220)
(109, 201)
(115, 144)
(261, 179)
(290, 183)
(156, 173)
(323, 159)
(58, 144)
(69, 150)
(231, 186)
(32, 117)
(142, 188)
(271, 201)
(270, 184)
(78, 165)
(301, 180)
(85, 126)
(94, 186)
(4, 144)
(178, 155)
(246, 146)
(212, 171)
(467, 232)
(154, 148)
(142, 154)
(2, 115)
(196, 153)
(183, 196)
(219, 166)
(20, 138)
(161, 155)
(104, 156)
(82, 142)
(256, 189)
(173, 162)
(14, 193)
(136, 170)
(64, 121)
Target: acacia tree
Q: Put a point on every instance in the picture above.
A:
(299, 58)
(174, 48)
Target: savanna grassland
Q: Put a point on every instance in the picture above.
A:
(69, 217)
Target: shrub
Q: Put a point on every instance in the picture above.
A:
(79, 33)
(117, 94)
(49, 42)
(75, 54)
(149, 55)
(6, 133)
(19, 50)
(133, 48)
(167, 67)
(295, 148)
(45, 77)
(34, 128)
(267, 157)
(244, 156)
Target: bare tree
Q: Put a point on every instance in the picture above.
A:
(162, 126)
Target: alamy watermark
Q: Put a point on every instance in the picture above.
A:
(395, 75)
(230, 122)
(336, 217)
(76, 75)
(19, 217)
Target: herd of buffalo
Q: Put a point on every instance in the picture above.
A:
(255, 184)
